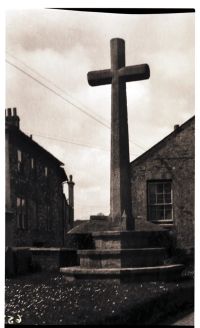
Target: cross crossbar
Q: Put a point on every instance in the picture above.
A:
(127, 74)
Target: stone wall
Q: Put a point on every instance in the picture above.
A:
(51, 259)
(171, 159)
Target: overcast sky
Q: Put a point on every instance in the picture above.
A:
(62, 47)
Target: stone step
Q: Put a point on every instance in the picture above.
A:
(139, 274)
(122, 258)
(131, 239)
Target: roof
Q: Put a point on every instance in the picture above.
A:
(164, 140)
(28, 140)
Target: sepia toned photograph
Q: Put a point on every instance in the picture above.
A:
(99, 167)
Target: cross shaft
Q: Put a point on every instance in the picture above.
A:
(118, 75)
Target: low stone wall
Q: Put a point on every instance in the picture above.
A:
(52, 258)
(18, 260)
(24, 260)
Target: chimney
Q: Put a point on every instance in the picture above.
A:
(176, 126)
(71, 199)
(12, 119)
(71, 191)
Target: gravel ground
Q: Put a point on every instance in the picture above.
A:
(46, 299)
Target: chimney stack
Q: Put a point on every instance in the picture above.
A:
(71, 198)
(71, 191)
(12, 119)
(9, 111)
(176, 126)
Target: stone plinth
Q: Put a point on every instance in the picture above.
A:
(126, 256)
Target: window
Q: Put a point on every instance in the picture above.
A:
(33, 213)
(46, 171)
(21, 213)
(160, 201)
(32, 163)
(19, 161)
(33, 167)
(49, 217)
(19, 155)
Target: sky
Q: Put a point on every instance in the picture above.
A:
(50, 52)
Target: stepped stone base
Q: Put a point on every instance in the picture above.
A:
(155, 273)
(116, 255)
(122, 258)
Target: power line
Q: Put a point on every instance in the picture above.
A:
(57, 94)
(51, 82)
(69, 141)
(72, 142)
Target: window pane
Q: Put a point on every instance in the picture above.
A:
(152, 188)
(160, 188)
(18, 202)
(168, 198)
(152, 199)
(160, 199)
(32, 163)
(19, 155)
(167, 187)
(160, 213)
(168, 214)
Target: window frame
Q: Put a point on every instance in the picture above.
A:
(19, 161)
(163, 206)
(46, 171)
(32, 163)
(22, 220)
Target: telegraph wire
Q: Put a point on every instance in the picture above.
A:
(57, 94)
(52, 83)
(69, 141)
(73, 142)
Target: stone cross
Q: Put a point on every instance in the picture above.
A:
(118, 75)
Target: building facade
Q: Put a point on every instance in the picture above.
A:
(37, 211)
(162, 181)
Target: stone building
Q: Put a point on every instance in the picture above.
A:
(162, 181)
(37, 211)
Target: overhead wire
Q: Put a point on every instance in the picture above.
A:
(55, 85)
(56, 93)
(71, 142)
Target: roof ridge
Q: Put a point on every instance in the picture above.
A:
(29, 139)
(168, 136)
